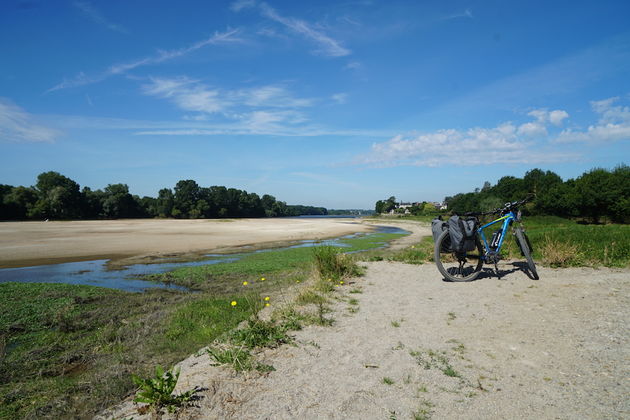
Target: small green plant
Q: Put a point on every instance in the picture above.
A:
(388, 381)
(157, 392)
(424, 412)
(239, 358)
(397, 322)
(261, 334)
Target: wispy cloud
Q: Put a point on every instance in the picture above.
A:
(16, 125)
(90, 11)
(192, 95)
(613, 124)
(162, 55)
(327, 45)
(340, 98)
(465, 14)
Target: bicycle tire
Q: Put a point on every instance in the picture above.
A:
(524, 245)
(457, 269)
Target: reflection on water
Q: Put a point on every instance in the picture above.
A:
(95, 273)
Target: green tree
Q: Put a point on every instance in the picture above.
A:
(165, 202)
(17, 203)
(118, 203)
(59, 197)
(185, 198)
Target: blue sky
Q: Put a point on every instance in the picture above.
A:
(331, 103)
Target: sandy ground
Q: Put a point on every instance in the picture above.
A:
(556, 348)
(34, 243)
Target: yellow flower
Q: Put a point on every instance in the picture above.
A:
(245, 283)
(266, 298)
(262, 279)
(297, 281)
(413, 246)
(233, 303)
(341, 282)
(266, 304)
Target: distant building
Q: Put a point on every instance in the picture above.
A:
(405, 208)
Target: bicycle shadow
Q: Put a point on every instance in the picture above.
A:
(489, 272)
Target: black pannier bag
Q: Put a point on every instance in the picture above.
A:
(437, 227)
(462, 233)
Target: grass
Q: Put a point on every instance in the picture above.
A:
(559, 242)
(239, 358)
(70, 350)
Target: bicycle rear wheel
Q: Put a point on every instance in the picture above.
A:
(526, 251)
(455, 266)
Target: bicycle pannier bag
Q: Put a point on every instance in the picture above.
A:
(462, 234)
(437, 227)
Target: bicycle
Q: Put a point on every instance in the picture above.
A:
(466, 266)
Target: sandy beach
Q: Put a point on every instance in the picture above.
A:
(516, 348)
(124, 241)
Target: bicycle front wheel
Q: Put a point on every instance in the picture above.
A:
(526, 250)
(455, 266)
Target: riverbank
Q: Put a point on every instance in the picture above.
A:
(69, 351)
(405, 344)
(131, 241)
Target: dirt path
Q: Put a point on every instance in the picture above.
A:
(418, 347)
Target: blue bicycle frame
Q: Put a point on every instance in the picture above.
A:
(507, 220)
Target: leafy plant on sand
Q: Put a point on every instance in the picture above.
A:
(330, 263)
(157, 392)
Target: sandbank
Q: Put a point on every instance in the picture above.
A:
(124, 241)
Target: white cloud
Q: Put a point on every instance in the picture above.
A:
(505, 143)
(613, 124)
(264, 110)
(327, 45)
(340, 98)
(16, 125)
(270, 96)
(187, 94)
(191, 95)
(163, 55)
(554, 117)
(557, 117)
(532, 129)
(239, 5)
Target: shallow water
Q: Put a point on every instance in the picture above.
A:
(95, 272)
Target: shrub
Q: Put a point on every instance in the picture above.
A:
(331, 263)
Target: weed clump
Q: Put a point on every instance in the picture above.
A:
(331, 263)
(157, 392)
(560, 254)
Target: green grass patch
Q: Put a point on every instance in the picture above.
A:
(561, 242)
(69, 351)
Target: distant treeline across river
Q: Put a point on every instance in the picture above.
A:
(57, 197)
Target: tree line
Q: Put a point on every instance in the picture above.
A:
(57, 197)
(595, 196)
